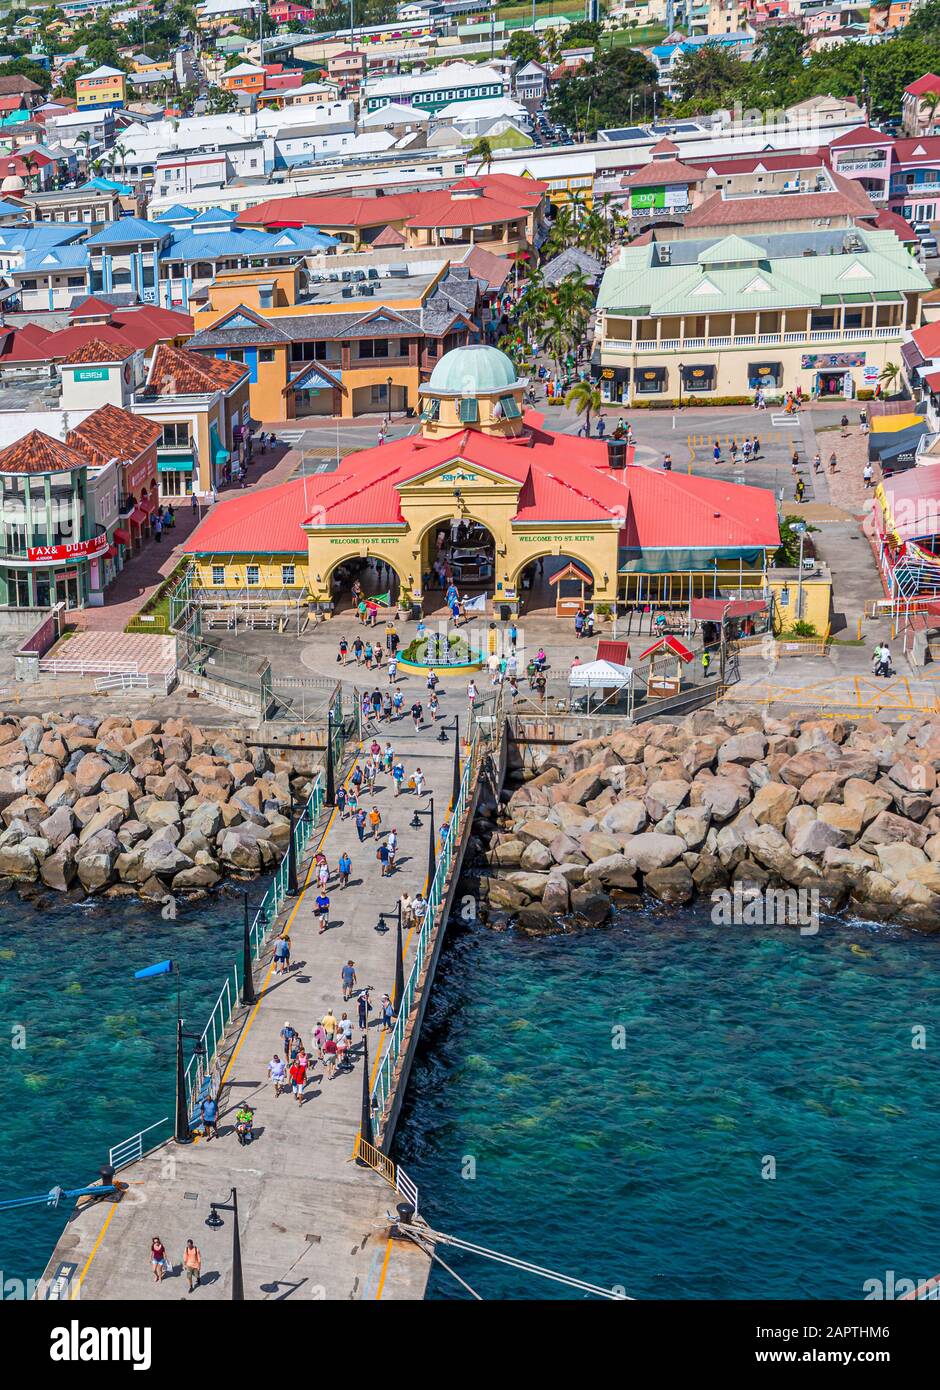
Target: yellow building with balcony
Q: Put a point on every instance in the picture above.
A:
(700, 320)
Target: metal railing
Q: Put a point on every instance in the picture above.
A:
(393, 1173)
(485, 720)
(207, 1050)
(130, 1150)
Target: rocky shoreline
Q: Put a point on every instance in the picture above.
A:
(120, 805)
(848, 811)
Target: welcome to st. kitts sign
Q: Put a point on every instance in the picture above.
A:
(76, 550)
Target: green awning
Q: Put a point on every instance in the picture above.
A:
(860, 297)
(635, 561)
(831, 299)
(889, 296)
(220, 454)
(175, 463)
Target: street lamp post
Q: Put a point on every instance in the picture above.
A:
(292, 888)
(432, 842)
(248, 984)
(330, 770)
(399, 952)
(181, 1130)
(366, 1133)
(214, 1221)
(681, 370)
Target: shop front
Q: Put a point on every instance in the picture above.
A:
(765, 376)
(832, 373)
(649, 381)
(698, 379)
(614, 385)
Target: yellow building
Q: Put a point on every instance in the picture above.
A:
(103, 87)
(478, 498)
(333, 346)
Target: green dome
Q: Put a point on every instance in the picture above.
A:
(472, 370)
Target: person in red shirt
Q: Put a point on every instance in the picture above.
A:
(330, 1056)
(298, 1076)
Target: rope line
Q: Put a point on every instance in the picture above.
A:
(525, 1265)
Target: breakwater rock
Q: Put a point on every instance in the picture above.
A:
(846, 811)
(94, 805)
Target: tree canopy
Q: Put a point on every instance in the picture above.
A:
(599, 94)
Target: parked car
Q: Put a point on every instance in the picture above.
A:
(923, 229)
(928, 246)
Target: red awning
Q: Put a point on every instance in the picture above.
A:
(121, 535)
(712, 610)
(138, 517)
(617, 652)
(145, 504)
(110, 553)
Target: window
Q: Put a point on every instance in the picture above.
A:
(235, 355)
(287, 575)
(252, 574)
(266, 355)
(175, 436)
(469, 412)
(75, 281)
(218, 574)
(308, 352)
(510, 407)
(374, 347)
(29, 284)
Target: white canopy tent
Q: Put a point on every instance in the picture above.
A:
(608, 678)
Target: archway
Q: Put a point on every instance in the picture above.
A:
(555, 586)
(374, 575)
(457, 553)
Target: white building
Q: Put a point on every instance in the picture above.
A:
(437, 87)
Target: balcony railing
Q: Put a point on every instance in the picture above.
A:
(745, 340)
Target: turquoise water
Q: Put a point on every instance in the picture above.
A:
(99, 1057)
(641, 1167)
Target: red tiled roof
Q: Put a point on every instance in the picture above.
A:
(97, 350)
(933, 381)
(893, 222)
(930, 82)
(177, 372)
(660, 171)
(111, 432)
(91, 308)
(862, 135)
(560, 477)
(717, 211)
(930, 144)
(331, 211)
(237, 525)
(131, 328)
(389, 236)
(495, 270)
(40, 453)
(750, 163)
(927, 339)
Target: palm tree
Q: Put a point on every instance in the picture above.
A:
(585, 397)
(564, 231)
(594, 235)
(482, 150)
(931, 101)
(575, 297)
(559, 335)
(120, 153)
(888, 376)
(551, 45)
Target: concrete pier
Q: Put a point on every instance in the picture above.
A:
(313, 1223)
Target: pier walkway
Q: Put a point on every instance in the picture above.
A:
(313, 1223)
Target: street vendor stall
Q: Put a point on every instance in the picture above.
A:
(606, 681)
(570, 583)
(661, 679)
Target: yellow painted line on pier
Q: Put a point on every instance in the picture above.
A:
(388, 1252)
(94, 1251)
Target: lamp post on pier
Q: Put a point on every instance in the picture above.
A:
(432, 840)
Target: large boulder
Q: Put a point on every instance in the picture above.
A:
(58, 871)
(772, 803)
(816, 837)
(692, 822)
(199, 876)
(590, 905)
(614, 871)
(505, 852)
(671, 885)
(743, 748)
(724, 797)
(90, 773)
(899, 861)
(26, 808)
(626, 818)
(18, 861)
(160, 813)
(161, 859)
(887, 827)
(96, 871)
(665, 795)
(42, 777)
(652, 850)
(556, 894)
(57, 827)
(771, 849)
(240, 851)
(109, 819)
(536, 857)
(580, 788)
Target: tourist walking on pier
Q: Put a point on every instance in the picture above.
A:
(345, 868)
(352, 802)
(323, 874)
(281, 956)
(419, 907)
(471, 695)
(192, 1264)
(434, 705)
(287, 1037)
(363, 1004)
(388, 1013)
(158, 1259)
(357, 650)
(329, 1055)
(392, 669)
(383, 858)
(418, 779)
(361, 824)
(375, 821)
(387, 706)
(398, 776)
(392, 844)
(417, 715)
(210, 1117)
(348, 976)
(319, 1038)
(277, 1072)
(341, 802)
(323, 911)
(398, 700)
(298, 1077)
(343, 650)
